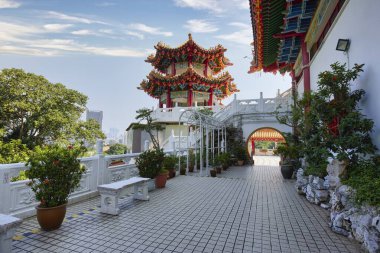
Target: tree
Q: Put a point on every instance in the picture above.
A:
(144, 116)
(117, 149)
(38, 112)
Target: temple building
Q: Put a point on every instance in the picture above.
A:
(304, 37)
(188, 75)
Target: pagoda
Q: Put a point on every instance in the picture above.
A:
(188, 75)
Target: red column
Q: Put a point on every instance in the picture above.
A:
(306, 67)
(190, 97)
(210, 99)
(205, 70)
(160, 105)
(168, 100)
(253, 147)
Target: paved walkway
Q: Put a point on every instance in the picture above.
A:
(246, 209)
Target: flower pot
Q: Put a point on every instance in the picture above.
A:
(218, 170)
(213, 173)
(287, 171)
(161, 180)
(240, 162)
(51, 218)
(225, 166)
(171, 173)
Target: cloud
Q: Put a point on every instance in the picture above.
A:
(62, 16)
(148, 29)
(105, 4)
(210, 5)
(83, 32)
(26, 39)
(135, 34)
(57, 27)
(9, 4)
(200, 26)
(242, 36)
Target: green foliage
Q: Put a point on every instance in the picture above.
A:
(145, 122)
(264, 144)
(13, 151)
(21, 176)
(37, 112)
(55, 172)
(364, 177)
(224, 159)
(240, 152)
(117, 149)
(150, 162)
(170, 162)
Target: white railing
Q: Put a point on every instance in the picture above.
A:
(16, 198)
(173, 114)
(281, 103)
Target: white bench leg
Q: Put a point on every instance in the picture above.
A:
(109, 203)
(8, 226)
(143, 195)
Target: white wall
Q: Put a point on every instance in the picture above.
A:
(359, 22)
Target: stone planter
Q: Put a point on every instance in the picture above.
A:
(151, 185)
(51, 218)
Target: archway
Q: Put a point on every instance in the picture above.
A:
(264, 142)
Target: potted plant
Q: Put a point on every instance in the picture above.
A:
(161, 178)
(182, 170)
(191, 160)
(169, 164)
(217, 165)
(213, 173)
(240, 153)
(55, 172)
(149, 164)
(289, 158)
(224, 159)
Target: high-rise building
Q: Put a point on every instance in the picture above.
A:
(96, 115)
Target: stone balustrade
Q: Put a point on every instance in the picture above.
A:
(18, 199)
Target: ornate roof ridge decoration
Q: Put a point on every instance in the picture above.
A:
(278, 28)
(190, 47)
(190, 75)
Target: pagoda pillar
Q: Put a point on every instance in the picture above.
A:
(211, 95)
(306, 67)
(190, 98)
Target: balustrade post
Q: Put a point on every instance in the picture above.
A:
(261, 103)
(5, 190)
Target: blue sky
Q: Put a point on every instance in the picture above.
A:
(99, 47)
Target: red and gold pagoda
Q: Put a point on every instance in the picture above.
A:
(188, 75)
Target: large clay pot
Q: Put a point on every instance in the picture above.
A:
(171, 173)
(213, 173)
(240, 162)
(287, 170)
(218, 170)
(161, 180)
(51, 218)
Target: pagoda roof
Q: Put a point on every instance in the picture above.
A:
(165, 55)
(157, 83)
(278, 29)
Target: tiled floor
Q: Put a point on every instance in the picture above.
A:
(246, 209)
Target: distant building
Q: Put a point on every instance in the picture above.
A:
(96, 115)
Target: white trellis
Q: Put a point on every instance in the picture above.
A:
(201, 137)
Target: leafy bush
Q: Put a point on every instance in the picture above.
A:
(117, 149)
(150, 162)
(364, 177)
(13, 151)
(21, 176)
(55, 172)
(170, 162)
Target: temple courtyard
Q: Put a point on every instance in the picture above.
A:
(245, 209)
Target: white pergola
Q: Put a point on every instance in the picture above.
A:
(204, 130)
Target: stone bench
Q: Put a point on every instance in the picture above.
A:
(110, 193)
(8, 226)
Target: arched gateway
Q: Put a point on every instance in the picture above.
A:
(264, 141)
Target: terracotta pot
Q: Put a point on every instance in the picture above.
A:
(51, 218)
(218, 170)
(240, 162)
(213, 173)
(161, 180)
(171, 173)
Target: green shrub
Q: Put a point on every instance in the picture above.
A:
(149, 163)
(55, 172)
(170, 162)
(117, 149)
(21, 176)
(364, 177)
